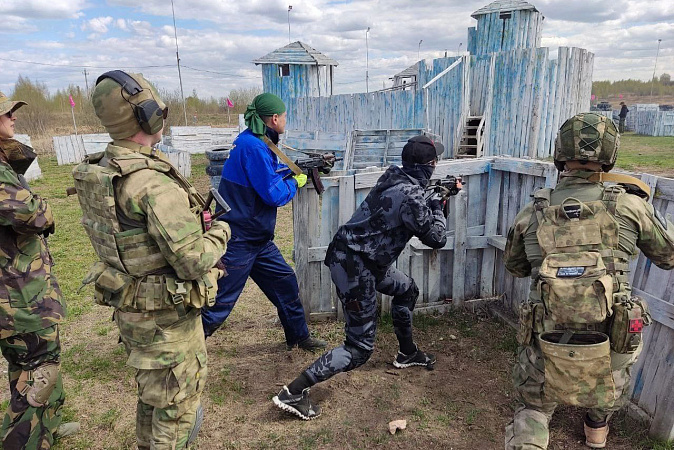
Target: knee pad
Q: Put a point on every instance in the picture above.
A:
(38, 384)
(358, 356)
(198, 421)
(409, 298)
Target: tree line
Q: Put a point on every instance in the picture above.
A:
(661, 86)
(50, 113)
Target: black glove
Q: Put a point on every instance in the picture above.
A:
(439, 204)
(46, 232)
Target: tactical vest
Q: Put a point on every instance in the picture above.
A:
(132, 272)
(583, 272)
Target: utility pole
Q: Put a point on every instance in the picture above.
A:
(175, 33)
(655, 67)
(367, 62)
(419, 50)
(458, 50)
(86, 81)
(290, 7)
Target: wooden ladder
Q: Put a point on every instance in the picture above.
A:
(472, 142)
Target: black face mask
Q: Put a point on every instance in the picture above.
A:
(18, 155)
(272, 135)
(420, 172)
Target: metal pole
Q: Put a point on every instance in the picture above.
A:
(289, 8)
(655, 67)
(86, 81)
(175, 33)
(419, 50)
(458, 50)
(367, 62)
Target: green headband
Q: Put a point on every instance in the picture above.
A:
(263, 105)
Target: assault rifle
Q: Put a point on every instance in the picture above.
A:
(442, 189)
(314, 163)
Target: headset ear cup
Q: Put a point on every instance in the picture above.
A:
(149, 116)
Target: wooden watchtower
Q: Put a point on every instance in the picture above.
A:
(505, 25)
(297, 70)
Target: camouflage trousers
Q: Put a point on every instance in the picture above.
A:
(529, 427)
(25, 426)
(169, 354)
(357, 288)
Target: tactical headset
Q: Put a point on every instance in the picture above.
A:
(149, 115)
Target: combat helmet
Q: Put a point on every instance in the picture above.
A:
(587, 137)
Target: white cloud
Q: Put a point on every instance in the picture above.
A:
(98, 25)
(224, 36)
(42, 9)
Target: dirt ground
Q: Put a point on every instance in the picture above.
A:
(463, 404)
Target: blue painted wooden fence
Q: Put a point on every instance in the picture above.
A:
(495, 34)
(654, 123)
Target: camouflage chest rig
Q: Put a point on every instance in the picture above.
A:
(132, 273)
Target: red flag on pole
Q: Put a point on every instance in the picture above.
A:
(230, 104)
(72, 102)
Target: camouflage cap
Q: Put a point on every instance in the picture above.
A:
(587, 137)
(7, 105)
(115, 108)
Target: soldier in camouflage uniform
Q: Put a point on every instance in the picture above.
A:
(360, 259)
(580, 329)
(156, 263)
(31, 304)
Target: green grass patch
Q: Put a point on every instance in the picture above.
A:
(643, 152)
(316, 439)
(81, 363)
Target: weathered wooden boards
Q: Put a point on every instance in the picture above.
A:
(302, 80)
(654, 123)
(198, 139)
(69, 149)
(497, 32)
(529, 97)
(653, 375)
(34, 172)
(634, 119)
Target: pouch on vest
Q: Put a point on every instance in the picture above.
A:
(114, 288)
(629, 319)
(575, 287)
(578, 370)
(531, 320)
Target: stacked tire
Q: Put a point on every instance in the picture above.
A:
(216, 159)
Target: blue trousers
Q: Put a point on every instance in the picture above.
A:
(264, 263)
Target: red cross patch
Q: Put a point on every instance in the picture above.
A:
(636, 325)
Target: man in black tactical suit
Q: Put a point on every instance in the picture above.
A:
(360, 258)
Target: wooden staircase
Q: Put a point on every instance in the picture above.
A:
(472, 141)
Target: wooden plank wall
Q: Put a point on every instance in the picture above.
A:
(633, 116)
(199, 139)
(69, 149)
(654, 123)
(653, 374)
(316, 141)
(530, 96)
(34, 172)
(303, 81)
(522, 30)
(377, 148)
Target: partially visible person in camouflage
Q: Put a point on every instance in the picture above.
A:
(156, 265)
(360, 259)
(31, 304)
(580, 329)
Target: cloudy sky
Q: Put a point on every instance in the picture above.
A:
(54, 41)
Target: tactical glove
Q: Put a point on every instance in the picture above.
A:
(46, 232)
(439, 204)
(301, 180)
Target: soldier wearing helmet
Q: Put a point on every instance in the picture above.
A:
(156, 265)
(580, 328)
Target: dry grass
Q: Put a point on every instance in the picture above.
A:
(463, 404)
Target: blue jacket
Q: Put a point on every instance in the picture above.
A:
(253, 188)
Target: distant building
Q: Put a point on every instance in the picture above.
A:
(297, 70)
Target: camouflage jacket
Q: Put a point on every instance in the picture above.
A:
(152, 198)
(640, 227)
(393, 212)
(30, 298)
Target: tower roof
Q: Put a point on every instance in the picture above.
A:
(296, 53)
(504, 5)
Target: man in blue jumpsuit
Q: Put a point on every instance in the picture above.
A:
(254, 185)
